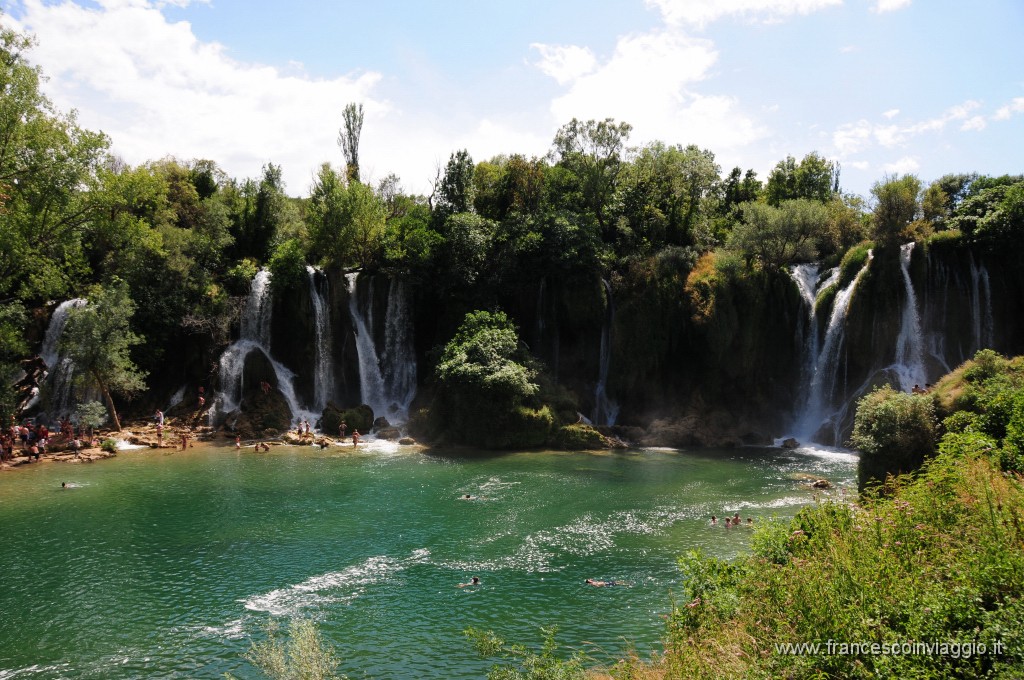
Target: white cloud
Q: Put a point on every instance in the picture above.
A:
(564, 63)
(702, 12)
(648, 81)
(890, 5)
(974, 123)
(165, 92)
(902, 166)
(1007, 111)
(852, 138)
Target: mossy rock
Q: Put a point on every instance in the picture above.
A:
(578, 437)
(358, 418)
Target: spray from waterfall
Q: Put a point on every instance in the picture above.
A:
(820, 408)
(605, 409)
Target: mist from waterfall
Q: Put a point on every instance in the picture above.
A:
(606, 411)
(387, 382)
(820, 408)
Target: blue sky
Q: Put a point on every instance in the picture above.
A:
(881, 86)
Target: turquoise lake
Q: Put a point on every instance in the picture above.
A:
(168, 565)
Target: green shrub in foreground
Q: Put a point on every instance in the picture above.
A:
(894, 432)
(939, 559)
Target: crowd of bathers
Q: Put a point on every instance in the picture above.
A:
(32, 439)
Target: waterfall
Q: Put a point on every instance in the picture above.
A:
(810, 285)
(258, 310)
(323, 375)
(399, 359)
(255, 336)
(605, 410)
(818, 409)
(909, 362)
(60, 370)
(981, 309)
(387, 384)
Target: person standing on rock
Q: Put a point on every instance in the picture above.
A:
(342, 429)
(355, 437)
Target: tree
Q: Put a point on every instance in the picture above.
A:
(346, 223)
(813, 178)
(896, 207)
(779, 236)
(592, 151)
(485, 381)
(91, 414)
(454, 192)
(48, 167)
(667, 191)
(348, 139)
(98, 338)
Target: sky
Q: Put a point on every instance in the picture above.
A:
(883, 87)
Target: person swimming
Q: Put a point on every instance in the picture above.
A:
(601, 584)
(475, 581)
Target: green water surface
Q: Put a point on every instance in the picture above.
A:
(159, 565)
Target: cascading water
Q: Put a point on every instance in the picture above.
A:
(60, 370)
(909, 362)
(810, 285)
(323, 375)
(255, 336)
(605, 409)
(819, 409)
(399, 360)
(388, 383)
(981, 306)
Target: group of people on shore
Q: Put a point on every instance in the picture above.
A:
(33, 440)
(733, 521)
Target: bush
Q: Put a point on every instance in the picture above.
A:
(109, 445)
(486, 395)
(578, 437)
(894, 432)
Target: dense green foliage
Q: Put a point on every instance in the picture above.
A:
(894, 432)
(485, 390)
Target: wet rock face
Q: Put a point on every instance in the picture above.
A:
(716, 429)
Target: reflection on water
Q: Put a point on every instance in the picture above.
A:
(169, 565)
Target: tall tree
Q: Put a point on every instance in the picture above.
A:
(454, 193)
(814, 178)
(593, 152)
(348, 139)
(896, 207)
(98, 339)
(47, 166)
